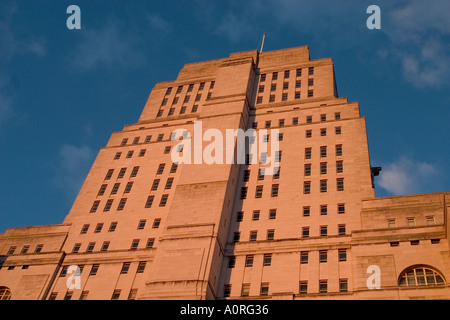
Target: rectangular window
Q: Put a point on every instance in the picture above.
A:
(95, 206)
(156, 223)
(323, 210)
(323, 132)
(303, 287)
(255, 215)
(141, 267)
(76, 248)
(304, 257)
(411, 222)
(115, 188)
(310, 93)
(163, 201)
(174, 167)
(112, 227)
(284, 97)
(341, 229)
(272, 213)
(295, 121)
(236, 236)
(263, 77)
(239, 216)
(141, 224)
(246, 175)
(307, 169)
(308, 153)
(323, 185)
(430, 220)
(90, 247)
(169, 183)
(308, 119)
(307, 187)
(310, 82)
(338, 130)
(323, 151)
(150, 242)
(342, 253)
(323, 286)
(142, 152)
(98, 228)
(102, 190)
(339, 150)
(132, 295)
(308, 133)
(270, 234)
(105, 246)
(275, 76)
(275, 188)
(391, 223)
(253, 235)
(109, 174)
(161, 168)
(267, 260)
(94, 269)
(38, 248)
(245, 291)
(134, 244)
(323, 256)
(306, 211)
(226, 290)
(128, 187)
(340, 184)
(134, 172)
(299, 72)
(272, 98)
(194, 109)
(343, 285)
(243, 192)
(108, 205)
(155, 184)
(122, 203)
(125, 267)
(339, 166)
(286, 74)
(323, 231)
(231, 262)
(264, 289)
(311, 70)
(259, 192)
(117, 156)
(149, 202)
(122, 173)
(249, 261)
(341, 208)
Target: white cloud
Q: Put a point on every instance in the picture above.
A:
(407, 176)
(72, 167)
(105, 47)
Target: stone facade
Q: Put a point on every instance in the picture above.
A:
(142, 228)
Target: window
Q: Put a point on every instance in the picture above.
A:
(68, 295)
(201, 86)
(246, 175)
(161, 168)
(286, 74)
(420, 276)
(239, 216)
(308, 119)
(12, 250)
(263, 77)
(105, 246)
(323, 132)
(323, 231)
(259, 100)
(183, 110)
(341, 208)
(76, 247)
(128, 187)
(338, 130)
(308, 133)
(117, 156)
(134, 172)
(90, 247)
(306, 211)
(236, 236)
(268, 124)
(275, 188)
(102, 190)
(323, 151)
(212, 84)
(108, 205)
(115, 188)
(84, 295)
(112, 227)
(109, 174)
(226, 290)
(303, 287)
(84, 229)
(284, 97)
(273, 87)
(163, 201)
(149, 202)
(142, 152)
(255, 215)
(275, 76)
(261, 89)
(323, 185)
(310, 82)
(116, 294)
(339, 150)
(278, 156)
(243, 192)
(304, 257)
(339, 166)
(391, 223)
(307, 169)
(253, 235)
(122, 173)
(98, 228)
(94, 269)
(141, 224)
(174, 167)
(38, 249)
(272, 213)
(308, 153)
(148, 138)
(160, 137)
(342, 254)
(132, 295)
(270, 234)
(231, 262)
(323, 210)
(141, 267)
(340, 184)
(267, 260)
(245, 291)
(281, 123)
(53, 296)
(276, 173)
(194, 109)
(155, 184)
(341, 229)
(264, 289)
(337, 116)
(323, 256)
(156, 223)
(136, 140)
(307, 187)
(299, 73)
(169, 183)
(134, 244)
(259, 191)
(343, 285)
(150, 242)
(169, 90)
(311, 70)
(310, 93)
(295, 121)
(430, 220)
(249, 261)
(411, 222)
(323, 286)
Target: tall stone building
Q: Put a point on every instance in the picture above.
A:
(144, 227)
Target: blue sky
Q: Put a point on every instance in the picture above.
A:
(63, 92)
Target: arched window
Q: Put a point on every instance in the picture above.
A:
(5, 293)
(420, 275)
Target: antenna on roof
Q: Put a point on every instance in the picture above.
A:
(262, 44)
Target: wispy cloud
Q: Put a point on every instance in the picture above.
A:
(408, 176)
(10, 44)
(108, 46)
(73, 165)
(159, 25)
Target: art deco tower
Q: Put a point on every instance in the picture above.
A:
(144, 227)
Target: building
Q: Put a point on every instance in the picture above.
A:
(143, 227)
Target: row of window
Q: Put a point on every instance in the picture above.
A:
(113, 226)
(273, 86)
(284, 96)
(105, 245)
(136, 140)
(287, 74)
(25, 249)
(190, 88)
(84, 295)
(411, 221)
(306, 211)
(303, 288)
(182, 110)
(123, 201)
(270, 234)
(295, 120)
(135, 171)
